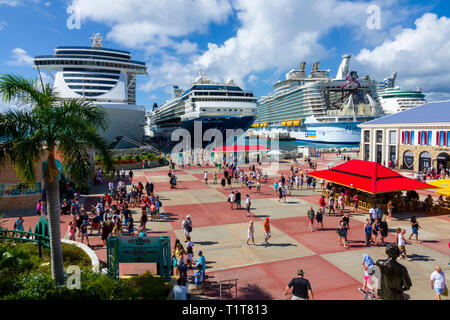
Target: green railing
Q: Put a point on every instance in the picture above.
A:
(40, 236)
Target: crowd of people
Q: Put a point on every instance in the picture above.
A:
(112, 215)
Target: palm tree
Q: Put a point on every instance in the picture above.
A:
(44, 125)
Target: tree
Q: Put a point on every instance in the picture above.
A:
(46, 124)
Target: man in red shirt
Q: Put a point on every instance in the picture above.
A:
(322, 203)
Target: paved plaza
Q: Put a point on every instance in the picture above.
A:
(263, 272)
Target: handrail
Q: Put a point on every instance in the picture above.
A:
(42, 241)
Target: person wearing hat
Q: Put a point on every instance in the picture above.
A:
(187, 226)
(301, 288)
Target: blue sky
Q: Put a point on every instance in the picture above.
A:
(254, 42)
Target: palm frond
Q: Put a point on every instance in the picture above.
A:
(17, 88)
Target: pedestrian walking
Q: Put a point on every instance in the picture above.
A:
(401, 242)
(231, 200)
(368, 232)
(322, 203)
(437, 281)
(369, 271)
(189, 252)
(319, 219)
(267, 233)
(311, 215)
(248, 203)
(187, 226)
(301, 288)
(414, 228)
(84, 232)
(342, 234)
(384, 230)
(251, 233)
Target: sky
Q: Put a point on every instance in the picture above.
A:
(253, 42)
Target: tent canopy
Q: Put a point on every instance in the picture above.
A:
(443, 191)
(443, 183)
(240, 148)
(369, 177)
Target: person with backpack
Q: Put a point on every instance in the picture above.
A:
(18, 225)
(187, 227)
(369, 271)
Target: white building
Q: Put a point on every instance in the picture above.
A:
(417, 138)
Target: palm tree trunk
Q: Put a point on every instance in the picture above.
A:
(53, 206)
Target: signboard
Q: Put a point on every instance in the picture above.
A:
(139, 250)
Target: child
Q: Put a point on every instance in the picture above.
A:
(198, 276)
(189, 251)
(130, 226)
(84, 232)
(71, 229)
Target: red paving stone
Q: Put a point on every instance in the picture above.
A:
(441, 246)
(266, 192)
(207, 214)
(181, 185)
(268, 281)
(323, 241)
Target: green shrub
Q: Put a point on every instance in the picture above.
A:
(128, 157)
(138, 158)
(147, 287)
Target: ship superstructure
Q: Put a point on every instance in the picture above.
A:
(105, 76)
(319, 108)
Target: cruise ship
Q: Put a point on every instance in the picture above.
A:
(107, 77)
(318, 108)
(393, 99)
(219, 106)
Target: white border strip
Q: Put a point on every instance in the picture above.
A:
(89, 252)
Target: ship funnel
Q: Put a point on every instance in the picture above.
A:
(302, 66)
(343, 68)
(393, 77)
(315, 66)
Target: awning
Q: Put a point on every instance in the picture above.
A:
(369, 177)
(240, 148)
(443, 191)
(443, 183)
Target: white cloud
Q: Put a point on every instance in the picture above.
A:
(20, 58)
(2, 25)
(138, 22)
(270, 35)
(11, 3)
(419, 55)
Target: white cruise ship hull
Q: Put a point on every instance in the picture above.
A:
(337, 132)
(334, 132)
(124, 120)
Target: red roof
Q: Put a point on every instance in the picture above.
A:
(240, 148)
(369, 177)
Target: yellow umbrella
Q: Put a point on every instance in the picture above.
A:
(444, 191)
(443, 183)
